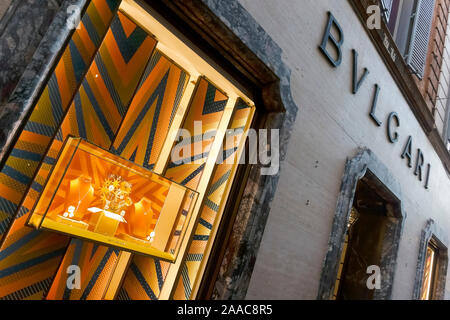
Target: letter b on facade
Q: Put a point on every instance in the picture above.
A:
(329, 37)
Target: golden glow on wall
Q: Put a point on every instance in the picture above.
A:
(428, 274)
(95, 195)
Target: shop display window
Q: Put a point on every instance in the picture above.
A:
(95, 195)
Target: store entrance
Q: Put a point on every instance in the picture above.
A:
(366, 230)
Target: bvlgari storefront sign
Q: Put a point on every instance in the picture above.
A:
(415, 160)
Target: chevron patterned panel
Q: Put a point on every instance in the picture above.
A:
(102, 101)
(146, 125)
(145, 276)
(48, 113)
(207, 108)
(140, 139)
(214, 197)
(23, 275)
(95, 114)
(89, 257)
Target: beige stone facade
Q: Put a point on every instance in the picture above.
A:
(332, 124)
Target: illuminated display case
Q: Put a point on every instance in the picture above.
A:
(95, 195)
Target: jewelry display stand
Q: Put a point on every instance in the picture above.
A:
(80, 195)
(140, 221)
(108, 222)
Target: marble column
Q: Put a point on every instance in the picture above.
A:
(21, 30)
(32, 34)
(4, 5)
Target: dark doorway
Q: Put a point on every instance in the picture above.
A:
(363, 244)
(366, 232)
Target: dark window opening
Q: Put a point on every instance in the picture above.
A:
(367, 230)
(369, 218)
(410, 22)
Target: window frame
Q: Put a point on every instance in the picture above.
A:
(387, 9)
(434, 236)
(364, 165)
(446, 130)
(433, 247)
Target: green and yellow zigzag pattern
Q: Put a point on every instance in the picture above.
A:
(214, 201)
(95, 114)
(140, 140)
(145, 276)
(43, 124)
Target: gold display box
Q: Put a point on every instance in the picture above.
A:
(95, 195)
